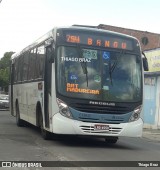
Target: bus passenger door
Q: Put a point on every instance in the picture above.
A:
(47, 86)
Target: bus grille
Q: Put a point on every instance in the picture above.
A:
(101, 109)
(90, 129)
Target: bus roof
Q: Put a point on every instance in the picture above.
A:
(35, 43)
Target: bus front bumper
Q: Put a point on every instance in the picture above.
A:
(63, 125)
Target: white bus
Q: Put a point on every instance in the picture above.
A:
(79, 81)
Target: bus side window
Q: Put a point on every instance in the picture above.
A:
(15, 71)
(20, 68)
(25, 66)
(32, 64)
(40, 62)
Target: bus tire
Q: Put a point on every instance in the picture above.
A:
(19, 121)
(45, 134)
(111, 140)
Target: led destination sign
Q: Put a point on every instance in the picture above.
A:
(109, 41)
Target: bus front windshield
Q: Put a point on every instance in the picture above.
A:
(101, 75)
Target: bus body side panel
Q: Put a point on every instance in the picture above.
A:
(18, 99)
(27, 95)
(34, 96)
(55, 108)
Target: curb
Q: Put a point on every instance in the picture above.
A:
(152, 135)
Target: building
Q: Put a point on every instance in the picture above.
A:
(151, 115)
(151, 112)
(147, 40)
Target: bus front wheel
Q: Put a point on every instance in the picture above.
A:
(19, 121)
(45, 134)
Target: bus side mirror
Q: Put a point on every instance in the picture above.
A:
(145, 62)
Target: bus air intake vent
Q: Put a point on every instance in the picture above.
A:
(101, 109)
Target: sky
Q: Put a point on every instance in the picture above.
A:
(24, 21)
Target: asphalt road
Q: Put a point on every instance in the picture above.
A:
(26, 144)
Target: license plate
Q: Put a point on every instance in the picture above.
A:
(101, 127)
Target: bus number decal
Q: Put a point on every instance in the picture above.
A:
(73, 38)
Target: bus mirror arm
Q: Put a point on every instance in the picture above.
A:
(145, 62)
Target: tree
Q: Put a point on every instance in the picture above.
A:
(5, 70)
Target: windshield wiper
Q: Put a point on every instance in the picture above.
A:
(112, 68)
(83, 64)
(85, 71)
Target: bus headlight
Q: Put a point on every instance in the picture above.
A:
(136, 114)
(63, 109)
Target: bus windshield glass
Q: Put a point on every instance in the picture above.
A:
(102, 75)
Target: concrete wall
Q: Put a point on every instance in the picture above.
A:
(151, 115)
(157, 116)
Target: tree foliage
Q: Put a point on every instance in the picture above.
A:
(5, 70)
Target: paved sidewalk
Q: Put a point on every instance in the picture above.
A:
(152, 134)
